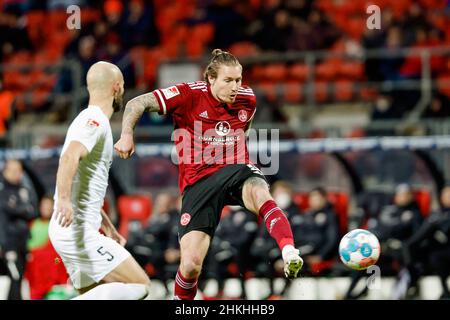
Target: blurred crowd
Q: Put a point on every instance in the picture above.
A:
(414, 241)
(167, 29)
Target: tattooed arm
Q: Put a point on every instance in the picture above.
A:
(133, 112)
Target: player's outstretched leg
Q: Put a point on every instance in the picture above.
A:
(193, 247)
(116, 291)
(257, 198)
(128, 281)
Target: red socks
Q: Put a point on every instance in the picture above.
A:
(185, 289)
(276, 223)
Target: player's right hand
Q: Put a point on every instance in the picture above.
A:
(125, 146)
(64, 213)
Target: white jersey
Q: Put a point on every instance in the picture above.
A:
(91, 128)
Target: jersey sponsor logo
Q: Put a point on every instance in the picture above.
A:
(185, 219)
(242, 115)
(170, 92)
(222, 128)
(204, 114)
(93, 123)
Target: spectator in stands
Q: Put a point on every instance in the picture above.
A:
(113, 10)
(229, 24)
(275, 34)
(298, 8)
(39, 226)
(394, 225)
(438, 107)
(138, 25)
(383, 108)
(114, 53)
(86, 56)
(317, 230)
(13, 33)
(323, 33)
(230, 244)
(390, 66)
(414, 20)
(431, 244)
(149, 246)
(17, 208)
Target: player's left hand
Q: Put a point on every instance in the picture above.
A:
(116, 236)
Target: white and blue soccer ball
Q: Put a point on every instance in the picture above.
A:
(359, 249)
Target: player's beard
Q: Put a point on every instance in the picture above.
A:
(118, 103)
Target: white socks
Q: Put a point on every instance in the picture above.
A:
(116, 291)
(288, 251)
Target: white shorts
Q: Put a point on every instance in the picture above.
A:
(87, 254)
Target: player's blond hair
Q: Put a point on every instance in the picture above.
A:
(219, 58)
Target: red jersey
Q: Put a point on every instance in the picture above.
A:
(208, 134)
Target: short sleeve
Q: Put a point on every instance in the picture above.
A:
(172, 98)
(87, 130)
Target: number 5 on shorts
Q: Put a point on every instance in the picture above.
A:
(103, 253)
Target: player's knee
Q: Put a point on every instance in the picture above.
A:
(260, 194)
(191, 266)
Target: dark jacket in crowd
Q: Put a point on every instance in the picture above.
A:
(434, 232)
(396, 222)
(17, 209)
(234, 234)
(316, 232)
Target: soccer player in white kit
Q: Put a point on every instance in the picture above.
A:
(98, 265)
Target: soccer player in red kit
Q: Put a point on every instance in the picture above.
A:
(210, 119)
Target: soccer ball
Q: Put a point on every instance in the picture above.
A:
(359, 249)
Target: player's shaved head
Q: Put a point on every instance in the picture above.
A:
(102, 76)
(105, 80)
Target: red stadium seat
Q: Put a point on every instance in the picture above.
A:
(328, 69)
(321, 91)
(298, 72)
(343, 90)
(133, 208)
(351, 70)
(275, 72)
(195, 48)
(244, 49)
(39, 98)
(423, 199)
(443, 84)
(340, 202)
(257, 72)
(301, 200)
(367, 94)
(269, 89)
(293, 92)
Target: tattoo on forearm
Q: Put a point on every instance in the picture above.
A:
(135, 108)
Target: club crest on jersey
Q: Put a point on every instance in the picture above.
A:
(222, 128)
(243, 115)
(185, 219)
(170, 92)
(92, 123)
